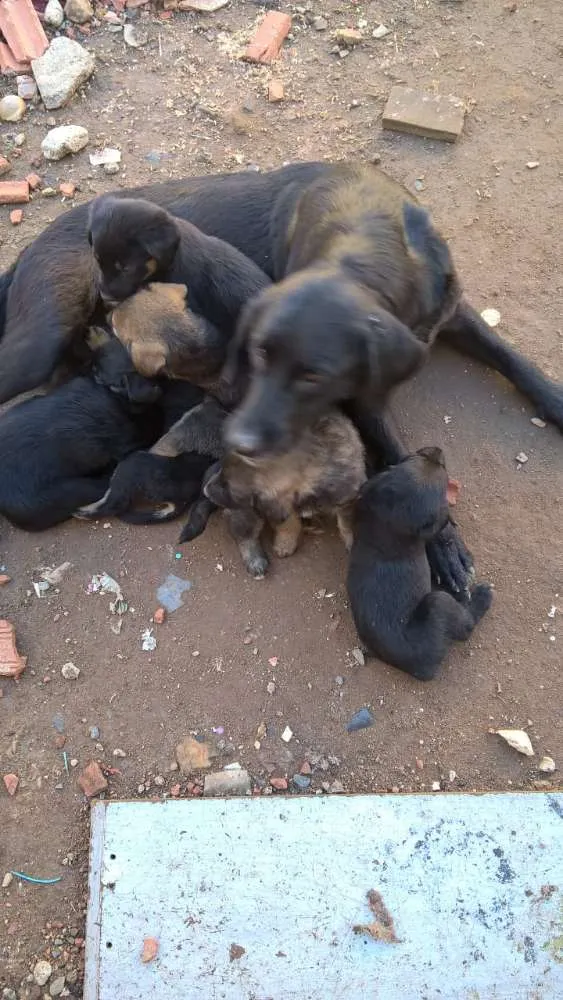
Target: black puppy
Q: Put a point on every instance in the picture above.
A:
(148, 487)
(135, 242)
(57, 451)
(398, 615)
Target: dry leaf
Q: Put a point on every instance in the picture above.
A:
(150, 950)
(383, 927)
(518, 740)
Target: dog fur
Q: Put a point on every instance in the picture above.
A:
(57, 451)
(398, 615)
(323, 471)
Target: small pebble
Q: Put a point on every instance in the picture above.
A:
(491, 317)
(381, 31)
(337, 787)
(320, 23)
(7, 880)
(287, 734)
(42, 973)
(118, 752)
(546, 764)
(301, 781)
(94, 733)
(538, 422)
(159, 780)
(532, 164)
(360, 720)
(358, 656)
(70, 672)
(521, 457)
(12, 108)
(339, 680)
(435, 786)
(271, 687)
(57, 986)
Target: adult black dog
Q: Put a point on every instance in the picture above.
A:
(58, 451)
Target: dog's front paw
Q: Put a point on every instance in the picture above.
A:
(481, 600)
(450, 561)
(257, 566)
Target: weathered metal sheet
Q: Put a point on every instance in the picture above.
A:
(473, 884)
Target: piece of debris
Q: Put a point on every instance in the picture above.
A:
(301, 782)
(280, 784)
(361, 719)
(34, 181)
(358, 655)
(5, 166)
(16, 216)
(204, 6)
(552, 611)
(268, 39)
(521, 458)
(7, 880)
(227, 783)
(436, 786)
(453, 490)
(336, 788)
(57, 986)
(70, 671)
(320, 23)
(348, 37)
(54, 14)
(102, 157)
(150, 949)
(134, 37)
(63, 140)
(37, 881)
(14, 192)
(79, 11)
(271, 687)
(54, 575)
(381, 31)
(169, 594)
(287, 734)
(4, 579)
(491, 317)
(103, 583)
(193, 755)
(11, 781)
(21, 27)
(42, 972)
(159, 616)
(275, 91)
(383, 927)
(148, 641)
(236, 951)
(92, 780)
(64, 67)
(11, 663)
(518, 740)
(533, 164)
(273, 661)
(40, 587)
(452, 776)
(538, 422)
(430, 115)
(67, 189)
(12, 108)
(547, 765)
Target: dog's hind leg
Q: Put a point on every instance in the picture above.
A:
(468, 333)
(245, 527)
(287, 535)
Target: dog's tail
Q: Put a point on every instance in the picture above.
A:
(5, 283)
(197, 520)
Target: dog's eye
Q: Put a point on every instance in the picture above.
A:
(311, 378)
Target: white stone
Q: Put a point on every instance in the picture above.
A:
(381, 31)
(491, 317)
(63, 140)
(54, 14)
(70, 672)
(42, 972)
(12, 108)
(61, 70)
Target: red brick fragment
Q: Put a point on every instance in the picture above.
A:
(4, 579)
(22, 29)
(275, 91)
(9, 65)
(92, 781)
(11, 663)
(280, 784)
(267, 41)
(34, 181)
(14, 192)
(67, 189)
(5, 166)
(11, 782)
(16, 216)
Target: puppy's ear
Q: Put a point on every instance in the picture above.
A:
(393, 353)
(160, 240)
(216, 489)
(149, 357)
(236, 368)
(441, 289)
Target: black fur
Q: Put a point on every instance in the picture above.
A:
(57, 451)
(398, 615)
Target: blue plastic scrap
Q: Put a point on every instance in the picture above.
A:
(360, 720)
(169, 594)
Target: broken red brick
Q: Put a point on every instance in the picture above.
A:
(11, 663)
(4, 579)
(280, 784)
(92, 781)
(16, 216)
(150, 949)
(5, 166)
(67, 189)
(9, 65)
(22, 29)
(175, 791)
(14, 192)
(11, 782)
(159, 616)
(275, 91)
(305, 768)
(34, 181)
(268, 40)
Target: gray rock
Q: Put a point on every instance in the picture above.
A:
(57, 986)
(301, 782)
(42, 972)
(79, 11)
(60, 142)
(8, 994)
(61, 70)
(227, 783)
(54, 14)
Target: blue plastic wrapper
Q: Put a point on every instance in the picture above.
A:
(169, 594)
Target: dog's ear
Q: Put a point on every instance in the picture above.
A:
(393, 353)
(216, 489)
(237, 364)
(148, 357)
(160, 239)
(441, 290)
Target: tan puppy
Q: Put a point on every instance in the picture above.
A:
(164, 337)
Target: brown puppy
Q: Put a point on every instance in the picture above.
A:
(164, 337)
(323, 471)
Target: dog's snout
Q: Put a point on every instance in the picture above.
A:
(243, 440)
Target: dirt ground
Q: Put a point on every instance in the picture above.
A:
(182, 105)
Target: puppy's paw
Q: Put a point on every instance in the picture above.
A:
(257, 566)
(450, 561)
(481, 600)
(285, 545)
